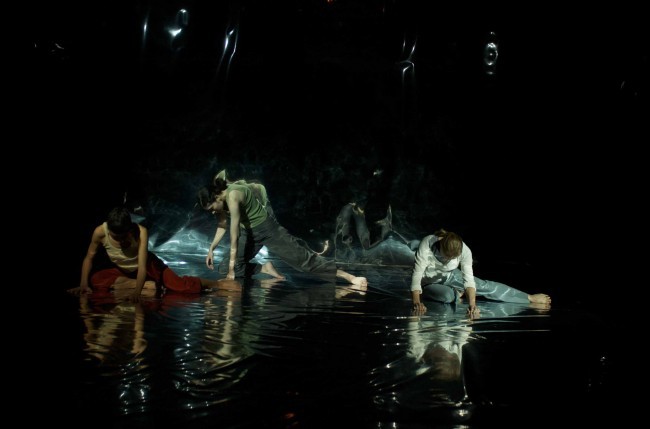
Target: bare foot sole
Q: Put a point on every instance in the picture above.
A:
(540, 298)
(538, 306)
(269, 269)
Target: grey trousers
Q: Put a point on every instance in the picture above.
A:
(281, 245)
(448, 289)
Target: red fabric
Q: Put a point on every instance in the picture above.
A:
(156, 271)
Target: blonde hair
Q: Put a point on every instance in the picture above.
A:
(450, 243)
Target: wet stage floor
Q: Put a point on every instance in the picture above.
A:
(301, 353)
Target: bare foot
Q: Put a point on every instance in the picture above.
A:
(540, 308)
(269, 283)
(122, 283)
(225, 288)
(78, 291)
(344, 291)
(212, 285)
(123, 294)
(539, 298)
(326, 247)
(359, 283)
(269, 269)
(225, 284)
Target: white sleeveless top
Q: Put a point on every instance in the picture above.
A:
(125, 259)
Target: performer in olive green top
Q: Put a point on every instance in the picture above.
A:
(248, 206)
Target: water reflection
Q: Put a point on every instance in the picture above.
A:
(424, 375)
(187, 342)
(115, 344)
(205, 355)
(114, 329)
(301, 353)
(198, 354)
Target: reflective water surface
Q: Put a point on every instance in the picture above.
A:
(302, 353)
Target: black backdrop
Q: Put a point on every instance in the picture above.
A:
(326, 102)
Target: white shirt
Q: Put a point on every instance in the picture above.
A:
(427, 265)
(423, 334)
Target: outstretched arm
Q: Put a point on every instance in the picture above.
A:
(472, 309)
(469, 284)
(421, 262)
(418, 306)
(218, 235)
(234, 201)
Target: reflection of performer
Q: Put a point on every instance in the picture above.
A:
(112, 327)
(125, 338)
(323, 296)
(424, 372)
(211, 347)
(429, 373)
(436, 348)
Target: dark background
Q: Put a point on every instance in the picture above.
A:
(537, 166)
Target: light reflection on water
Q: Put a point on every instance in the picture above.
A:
(303, 352)
(298, 352)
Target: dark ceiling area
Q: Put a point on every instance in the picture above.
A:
(518, 127)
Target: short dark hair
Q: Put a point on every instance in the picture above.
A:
(119, 221)
(205, 197)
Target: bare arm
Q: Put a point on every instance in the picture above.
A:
(469, 284)
(218, 235)
(421, 263)
(87, 264)
(418, 306)
(472, 310)
(143, 250)
(234, 204)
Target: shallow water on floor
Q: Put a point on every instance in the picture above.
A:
(303, 353)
